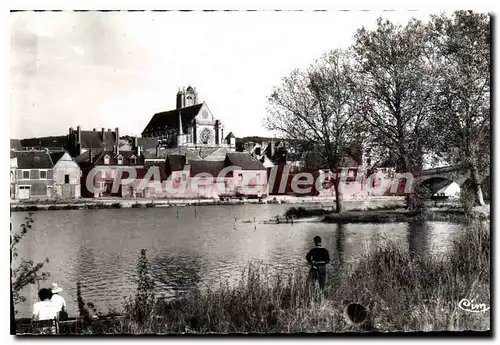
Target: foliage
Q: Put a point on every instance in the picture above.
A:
(460, 49)
(26, 272)
(301, 212)
(138, 307)
(396, 86)
(82, 309)
(314, 108)
(386, 280)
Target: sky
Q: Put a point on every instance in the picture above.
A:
(116, 69)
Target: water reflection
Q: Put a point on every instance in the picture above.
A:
(417, 238)
(340, 235)
(176, 274)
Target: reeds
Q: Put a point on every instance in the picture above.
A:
(401, 290)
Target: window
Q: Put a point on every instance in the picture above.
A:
(106, 159)
(26, 174)
(43, 174)
(66, 178)
(133, 160)
(120, 160)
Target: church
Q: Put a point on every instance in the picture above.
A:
(191, 125)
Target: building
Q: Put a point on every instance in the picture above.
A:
(41, 174)
(34, 174)
(80, 141)
(191, 124)
(13, 177)
(66, 176)
(101, 167)
(237, 175)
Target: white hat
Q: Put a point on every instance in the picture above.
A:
(56, 288)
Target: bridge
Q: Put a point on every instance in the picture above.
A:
(438, 178)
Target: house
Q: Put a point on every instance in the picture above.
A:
(102, 166)
(66, 176)
(42, 174)
(33, 174)
(285, 180)
(190, 124)
(238, 174)
(250, 177)
(80, 141)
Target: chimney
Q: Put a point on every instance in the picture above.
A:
(138, 151)
(102, 133)
(136, 142)
(272, 148)
(117, 134)
(78, 135)
(70, 130)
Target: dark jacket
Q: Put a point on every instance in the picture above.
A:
(318, 254)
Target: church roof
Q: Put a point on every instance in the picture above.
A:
(170, 119)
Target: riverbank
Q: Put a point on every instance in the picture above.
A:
(402, 215)
(401, 291)
(110, 203)
(386, 213)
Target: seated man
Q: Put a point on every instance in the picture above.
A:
(45, 310)
(58, 301)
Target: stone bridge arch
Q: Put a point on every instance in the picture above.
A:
(438, 178)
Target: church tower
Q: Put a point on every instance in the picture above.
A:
(186, 97)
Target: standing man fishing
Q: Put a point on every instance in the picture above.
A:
(318, 257)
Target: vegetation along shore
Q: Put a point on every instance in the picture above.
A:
(277, 303)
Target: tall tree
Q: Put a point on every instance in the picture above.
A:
(395, 79)
(460, 49)
(315, 107)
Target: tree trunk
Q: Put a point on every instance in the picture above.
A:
(338, 196)
(476, 183)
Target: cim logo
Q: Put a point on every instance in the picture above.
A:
(470, 306)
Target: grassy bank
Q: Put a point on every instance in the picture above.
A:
(402, 292)
(401, 215)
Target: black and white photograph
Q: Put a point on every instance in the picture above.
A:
(263, 172)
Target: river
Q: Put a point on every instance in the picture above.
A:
(190, 246)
